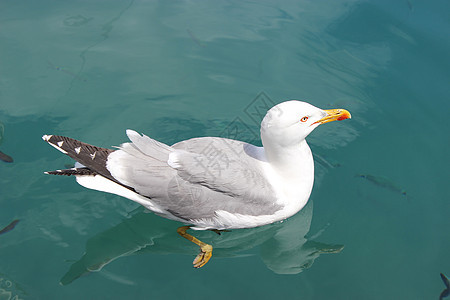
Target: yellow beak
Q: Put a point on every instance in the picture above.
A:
(334, 115)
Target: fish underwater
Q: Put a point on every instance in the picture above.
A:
(384, 183)
(194, 38)
(9, 227)
(445, 292)
(3, 156)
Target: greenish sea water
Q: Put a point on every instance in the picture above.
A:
(180, 69)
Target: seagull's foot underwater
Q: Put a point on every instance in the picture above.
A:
(205, 249)
(203, 257)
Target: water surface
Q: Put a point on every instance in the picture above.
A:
(175, 70)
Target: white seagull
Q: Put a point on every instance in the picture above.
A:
(210, 182)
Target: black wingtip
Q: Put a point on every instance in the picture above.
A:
(72, 172)
(92, 157)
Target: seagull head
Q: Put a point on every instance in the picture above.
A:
(290, 122)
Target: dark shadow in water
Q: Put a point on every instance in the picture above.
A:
(283, 246)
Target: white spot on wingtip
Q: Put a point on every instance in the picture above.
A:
(46, 173)
(60, 149)
(46, 137)
(77, 150)
(93, 155)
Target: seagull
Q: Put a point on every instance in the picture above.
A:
(209, 183)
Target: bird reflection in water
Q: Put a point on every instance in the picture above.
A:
(283, 245)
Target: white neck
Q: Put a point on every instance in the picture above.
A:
(291, 162)
(294, 168)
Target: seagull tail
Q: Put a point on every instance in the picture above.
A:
(93, 159)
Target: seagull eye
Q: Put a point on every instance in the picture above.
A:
(304, 119)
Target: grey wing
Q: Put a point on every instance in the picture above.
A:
(195, 178)
(219, 174)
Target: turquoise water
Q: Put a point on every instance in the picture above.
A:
(179, 69)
